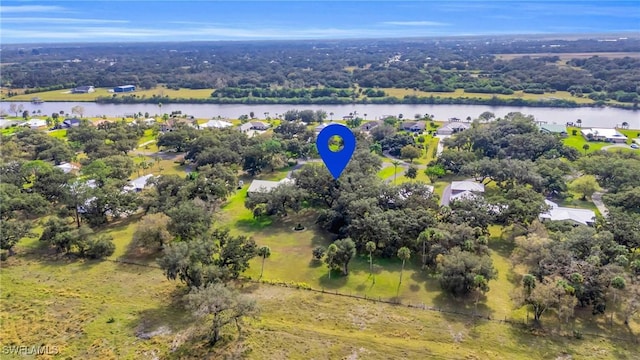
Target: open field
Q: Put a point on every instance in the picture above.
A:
(66, 95)
(569, 56)
(459, 93)
(103, 309)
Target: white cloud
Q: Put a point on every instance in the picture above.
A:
(30, 9)
(415, 23)
(113, 33)
(52, 20)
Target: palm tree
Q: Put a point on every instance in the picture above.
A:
(482, 286)
(617, 284)
(579, 122)
(332, 250)
(423, 238)
(370, 247)
(404, 254)
(331, 116)
(365, 116)
(585, 147)
(395, 169)
(264, 252)
(625, 125)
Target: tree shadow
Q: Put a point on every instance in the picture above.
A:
(314, 263)
(165, 319)
(337, 280)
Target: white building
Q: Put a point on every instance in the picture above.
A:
(138, 184)
(461, 190)
(559, 213)
(67, 167)
(217, 124)
(35, 123)
(264, 186)
(600, 134)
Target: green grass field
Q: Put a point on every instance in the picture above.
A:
(458, 93)
(66, 95)
(98, 309)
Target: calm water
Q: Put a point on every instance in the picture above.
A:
(592, 117)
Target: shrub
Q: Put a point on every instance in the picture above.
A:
(100, 247)
(318, 252)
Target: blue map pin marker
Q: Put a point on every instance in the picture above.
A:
(336, 161)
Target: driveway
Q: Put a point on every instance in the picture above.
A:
(597, 200)
(623, 146)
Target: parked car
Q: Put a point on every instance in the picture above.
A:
(635, 146)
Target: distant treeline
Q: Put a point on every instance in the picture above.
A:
(339, 69)
(435, 100)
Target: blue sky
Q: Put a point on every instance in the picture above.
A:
(128, 21)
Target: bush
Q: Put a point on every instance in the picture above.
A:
(4, 255)
(100, 247)
(318, 252)
(421, 139)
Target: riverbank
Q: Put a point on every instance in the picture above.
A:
(607, 117)
(162, 95)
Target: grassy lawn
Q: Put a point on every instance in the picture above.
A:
(60, 133)
(328, 327)
(94, 309)
(387, 172)
(147, 137)
(459, 93)
(66, 95)
(88, 309)
(577, 142)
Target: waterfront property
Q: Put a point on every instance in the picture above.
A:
(554, 129)
(453, 127)
(124, 88)
(83, 90)
(599, 134)
(216, 124)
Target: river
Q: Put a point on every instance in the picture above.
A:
(591, 117)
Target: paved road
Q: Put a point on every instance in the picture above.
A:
(597, 200)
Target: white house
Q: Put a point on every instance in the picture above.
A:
(264, 186)
(35, 123)
(600, 134)
(138, 184)
(67, 167)
(559, 213)
(461, 190)
(217, 124)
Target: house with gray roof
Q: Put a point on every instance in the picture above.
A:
(138, 184)
(559, 213)
(461, 190)
(452, 128)
(554, 129)
(414, 126)
(265, 186)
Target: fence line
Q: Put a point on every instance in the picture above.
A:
(396, 302)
